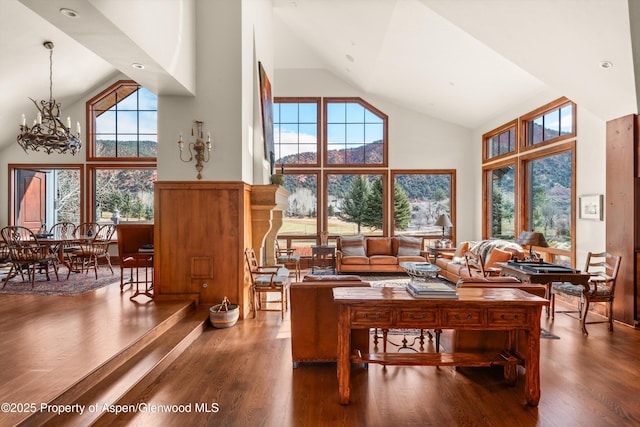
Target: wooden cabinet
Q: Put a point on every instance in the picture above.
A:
(622, 212)
(201, 230)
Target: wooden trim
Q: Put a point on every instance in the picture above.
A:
(485, 141)
(486, 196)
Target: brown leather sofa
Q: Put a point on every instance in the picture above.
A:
(453, 266)
(361, 254)
(314, 319)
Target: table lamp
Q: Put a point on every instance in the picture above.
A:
(532, 238)
(443, 221)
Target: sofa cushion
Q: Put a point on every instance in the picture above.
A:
(411, 258)
(382, 260)
(409, 246)
(497, 255)
(355, 260)
(352, 246)
(379, 246)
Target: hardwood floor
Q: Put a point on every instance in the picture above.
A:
(243, 375)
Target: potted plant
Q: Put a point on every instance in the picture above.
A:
(224, 315)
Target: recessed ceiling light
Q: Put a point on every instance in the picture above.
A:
(138, 66)
(69, 13)
(606, 64)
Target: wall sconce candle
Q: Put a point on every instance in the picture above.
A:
(199, 147)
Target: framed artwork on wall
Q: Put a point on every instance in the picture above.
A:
(590, 207)
(266, 102)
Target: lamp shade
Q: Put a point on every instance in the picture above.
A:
(444, 221)
(532, 238)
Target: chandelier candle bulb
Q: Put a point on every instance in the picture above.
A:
(68, 122)
(77, 127)
(39, 119)
(23, 122)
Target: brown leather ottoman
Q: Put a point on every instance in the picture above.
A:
(314, 321)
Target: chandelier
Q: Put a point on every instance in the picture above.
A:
(48, 132)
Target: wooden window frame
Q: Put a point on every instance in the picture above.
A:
(486, 141)
(545, 109)
(305, 100)
(452, 192)
(487, 171)
(371, 108)
(90, 126)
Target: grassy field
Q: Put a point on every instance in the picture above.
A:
(298, 226)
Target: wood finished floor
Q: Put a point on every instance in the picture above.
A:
(247, 372)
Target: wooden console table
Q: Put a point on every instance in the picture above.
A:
(475, 309)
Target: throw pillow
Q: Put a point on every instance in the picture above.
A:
(409, 246)
(461, 249)
(352, 245)
(379, 246)
(497, 255)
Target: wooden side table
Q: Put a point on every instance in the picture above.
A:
(435, 252)
(319, 254)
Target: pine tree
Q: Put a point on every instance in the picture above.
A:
(401, 208)
(354, 204)
(372, 216)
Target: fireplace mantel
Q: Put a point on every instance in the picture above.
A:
(268, 202)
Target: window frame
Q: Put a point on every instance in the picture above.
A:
(91, 184)
(325, 142)
(452, 203)
(304, 100)
(90, 125)
(540, 112)
(487, 171)
(486, 138)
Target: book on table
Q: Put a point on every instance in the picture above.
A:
(431, 290)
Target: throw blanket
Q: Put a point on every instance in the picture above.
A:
(484, 247)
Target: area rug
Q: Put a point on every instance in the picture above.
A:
(78, 283)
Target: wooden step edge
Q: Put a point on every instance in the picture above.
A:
(134, 391)
(436, 359)
(73, 393)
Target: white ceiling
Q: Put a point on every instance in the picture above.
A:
(463, 61)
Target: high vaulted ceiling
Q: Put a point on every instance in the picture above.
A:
(463, 61)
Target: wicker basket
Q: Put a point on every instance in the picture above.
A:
(224, 315)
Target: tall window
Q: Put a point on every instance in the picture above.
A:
(296, 130)
(501, 184)
(419, 199)
(123, 131)
(356, 203)
(355, 133)
(534, 190)
(123, 123)
(550, 197)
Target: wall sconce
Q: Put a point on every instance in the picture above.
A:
(199, 147)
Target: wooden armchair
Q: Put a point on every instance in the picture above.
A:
(603, 268)
(267, 279)
(91, 251)
(25, 252)
(288, 258)
(64, 232)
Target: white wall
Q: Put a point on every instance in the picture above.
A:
(416, 141)
(590, 166)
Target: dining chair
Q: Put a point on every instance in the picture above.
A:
(603, 268)
(267, 279)
(288, 258)
(26, 253)
(90, 251)
(64, 233)
(131, 238)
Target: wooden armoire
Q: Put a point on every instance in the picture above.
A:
(201, 232)
(622, 213)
